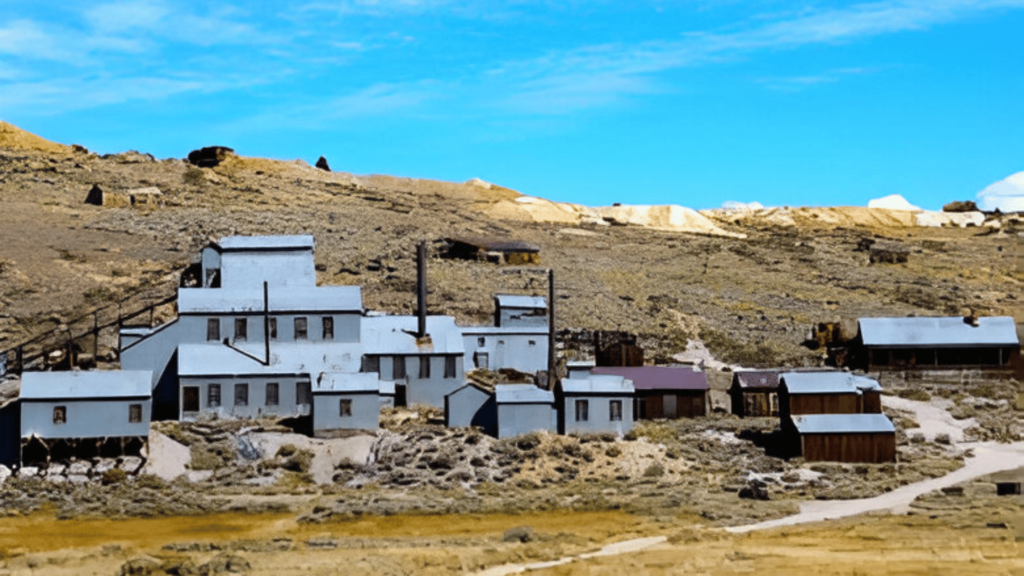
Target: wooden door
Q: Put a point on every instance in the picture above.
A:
(190, 399)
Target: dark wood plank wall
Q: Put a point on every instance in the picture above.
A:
(878, 447)
(824, 404)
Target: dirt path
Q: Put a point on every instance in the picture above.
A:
(988, 458)
(614, 549)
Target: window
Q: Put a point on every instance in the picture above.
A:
(212, 329)
(398, 368)
(328, 323)
(241, 394)
(273, 328)
(533, 342)
(273, 394)
(213, 396)
(582, 410)
(481, 341)
(449, 366)
(345, 408)
(303, 390)
(424, 367)
(301, 328)
(60, 414)
(241, 329)
(135, 413)
(615, 410)
(370, 364)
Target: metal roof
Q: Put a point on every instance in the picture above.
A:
(497, 245)
(768, 379)
(338, 382)
(292, 299)
(258, 243)
(503, 330)
(659, 377)
(938, 332)
(522, 394)
(91, 384)
(519, 301)
(842, 423)
(393, 335)
(291, 359)
(598, 384)
(827, 383)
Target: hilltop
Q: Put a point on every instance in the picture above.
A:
(748, 283)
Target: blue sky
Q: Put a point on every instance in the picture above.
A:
(693, 102)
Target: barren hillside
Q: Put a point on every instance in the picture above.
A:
(750, 298)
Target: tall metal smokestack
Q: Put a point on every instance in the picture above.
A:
(551, 329)
(421, 288)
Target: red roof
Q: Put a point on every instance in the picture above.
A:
(659, 377)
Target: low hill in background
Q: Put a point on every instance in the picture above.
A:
(750, 285)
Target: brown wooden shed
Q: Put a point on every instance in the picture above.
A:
(665, 391)
(827, 393)
(937, 343)
(755, 393)
(843, 437)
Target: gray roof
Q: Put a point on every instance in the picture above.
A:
(518, 301)
(522, 394)
(92, 384)
(827, 383)
(337, 382)
(658, 377)
(292, 359)
(503, 330)
(292, 299)
(938, 332)
(598, 384)
(258, 243)
(392, 335)
(842, 423)
(763, 379)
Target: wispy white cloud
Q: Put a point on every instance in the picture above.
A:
(800, 83)
(619, 70)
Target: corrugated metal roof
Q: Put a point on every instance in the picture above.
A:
(91, 384)
(768, 379)
(522, 394)
(519, 301)
(598, 384)
(335, 382)
(842, 423)
(827, 383)
(257, 243)
(285, 359)
(659, 377)
(938, 332)
(391, 335)
(496, 244)
(293, 299)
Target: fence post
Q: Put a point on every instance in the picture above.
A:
(95, 337)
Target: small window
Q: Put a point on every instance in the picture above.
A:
(615, 410)
(303, 390)
(60, 414)
(273, 328)
(345, 408)
(328, 323)
(582, 410)
(533, 342)
(449, 366)
(241, 394)
(424, 367)
(481, 341)
(301, 328)
(370, 364)
(273, 394)
(212, 329)
(213, 396)
(398, 370)
(241, 329)
(135, 413)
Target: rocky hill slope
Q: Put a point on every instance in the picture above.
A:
(750, 287)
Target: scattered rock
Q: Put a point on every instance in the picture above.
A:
(28, 472)
(754, 490)
(140, 566)
(225, 562)
(322, 164)
(521, 534)
(130, 157)
(209, 156)
(130, 464)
